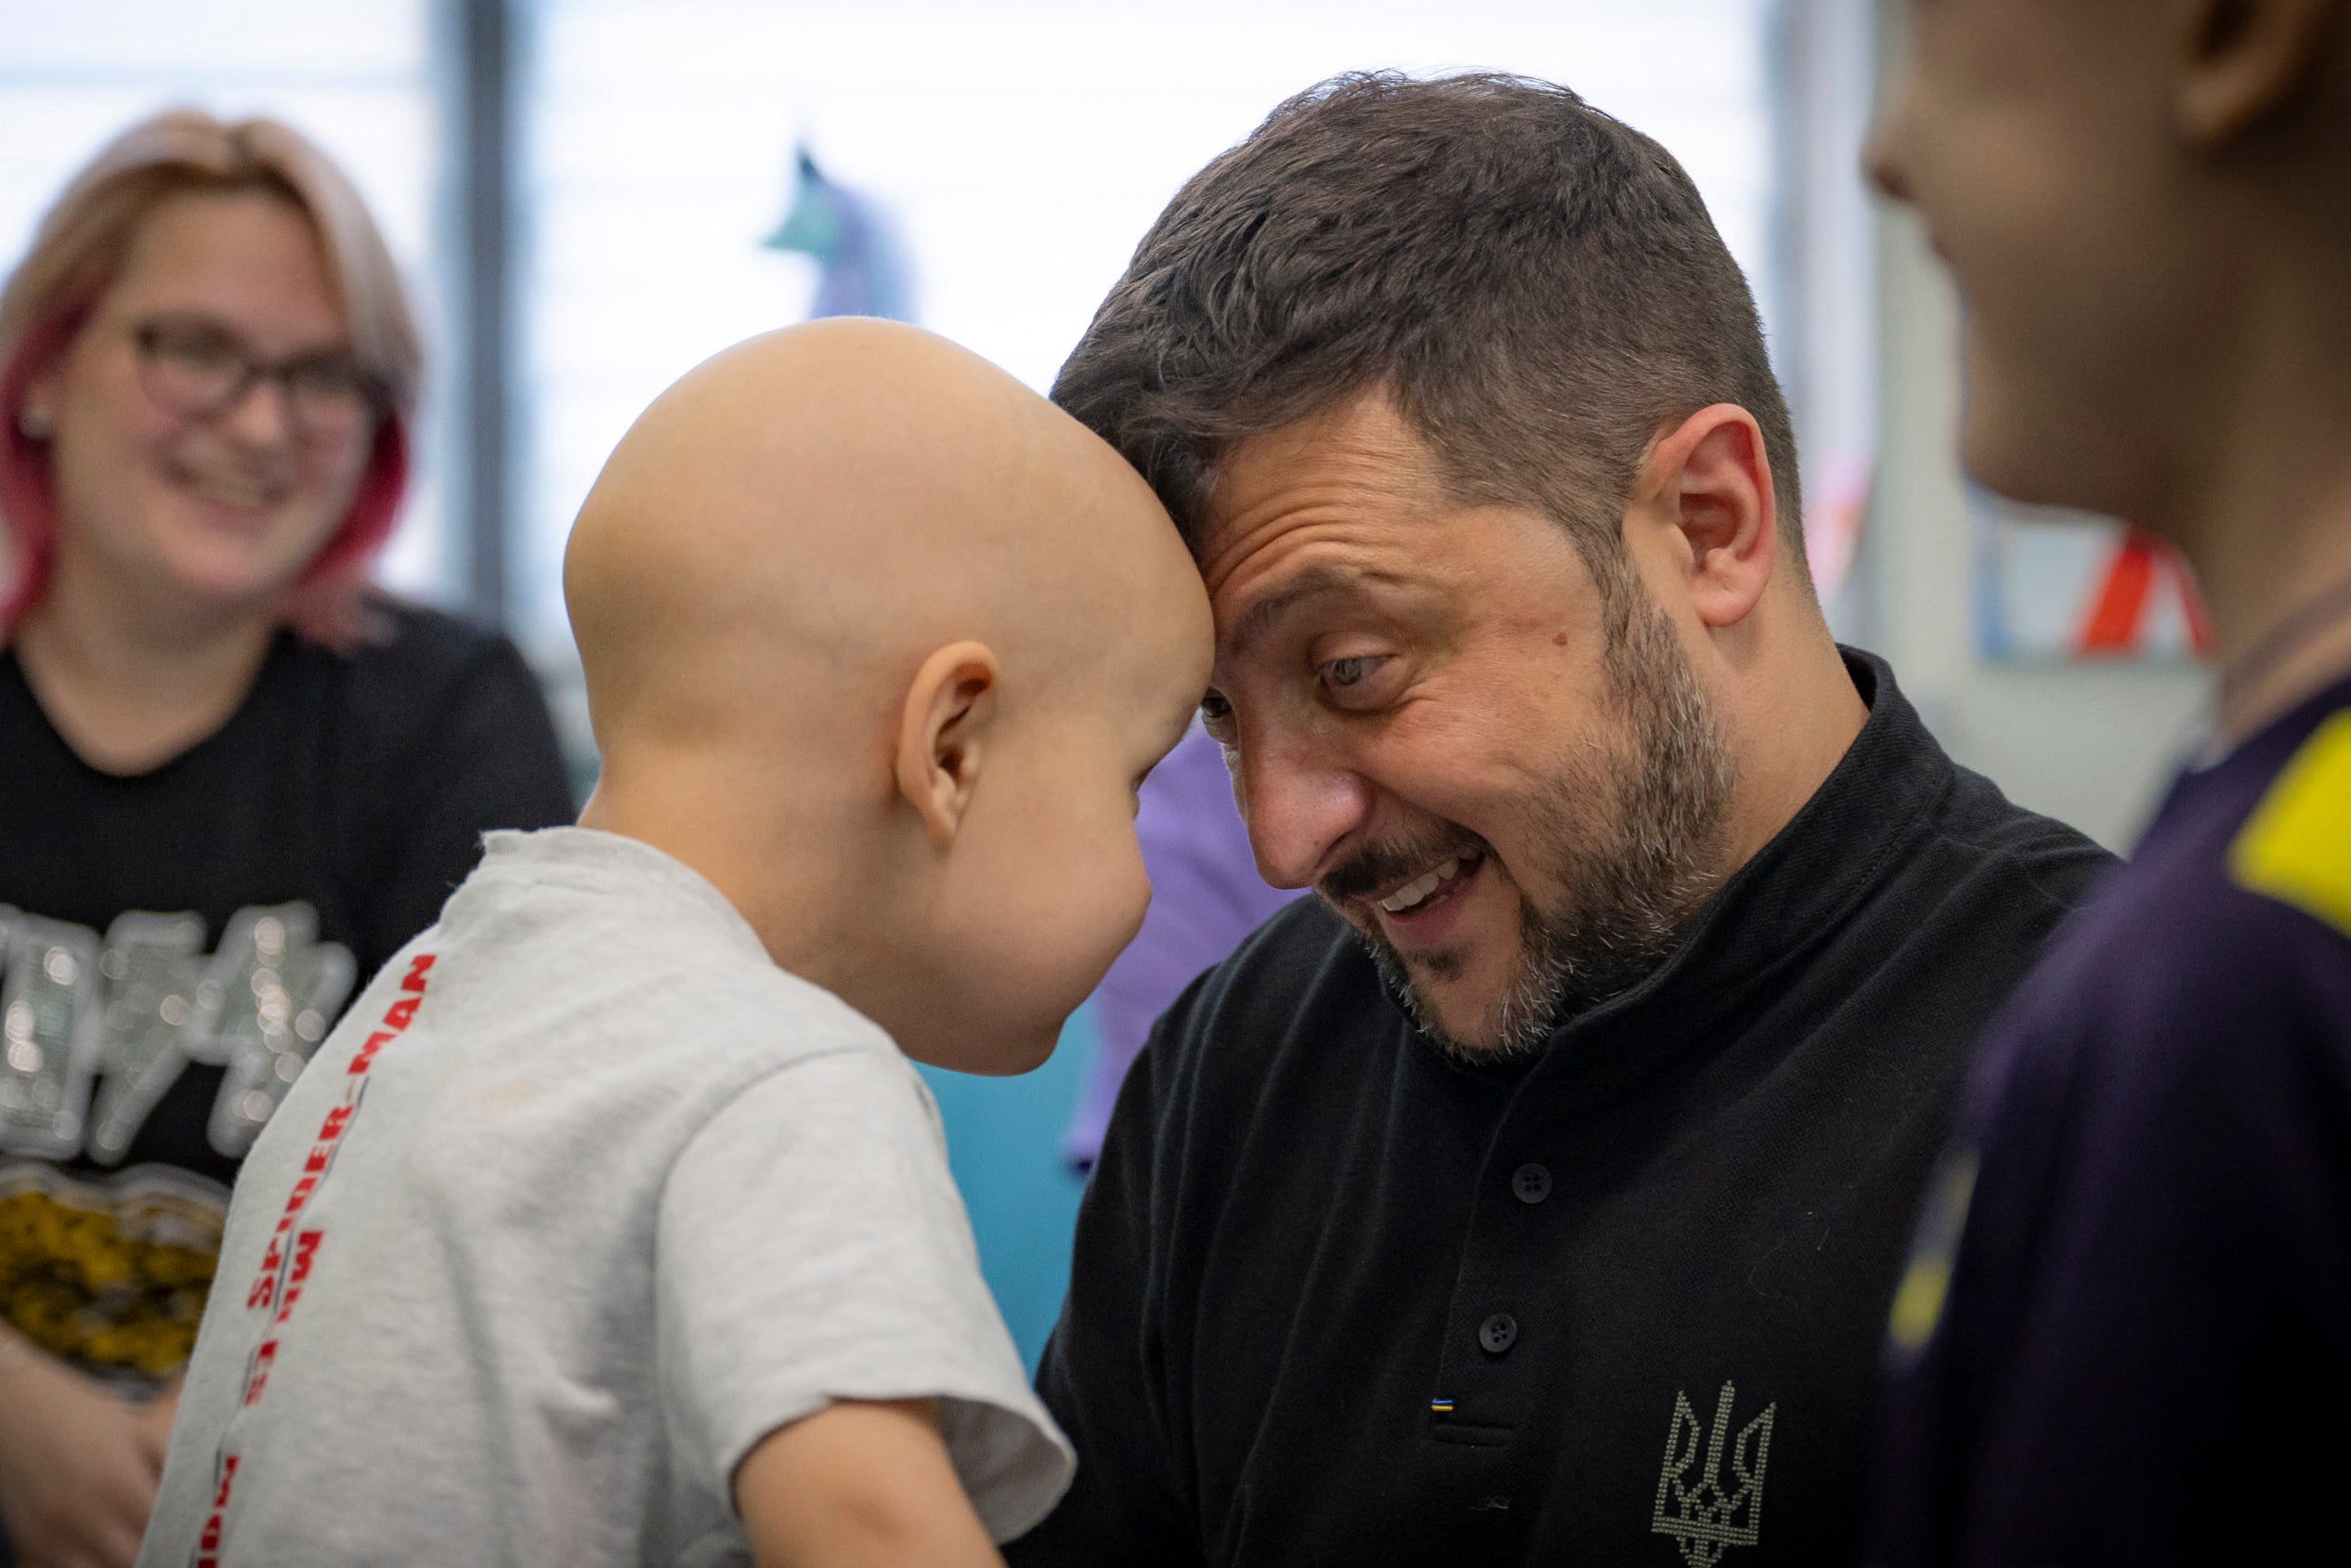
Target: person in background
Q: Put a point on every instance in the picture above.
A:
(2125, 1333)
(1206, 895)
(234, 779)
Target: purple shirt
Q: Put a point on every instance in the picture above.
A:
(2125, 1336)
(1206, 895)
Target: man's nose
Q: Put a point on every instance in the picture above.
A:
(1298, 799)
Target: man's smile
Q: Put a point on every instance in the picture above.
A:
(1421, 887)
(1424, 910)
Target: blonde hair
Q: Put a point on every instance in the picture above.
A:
(81, 246)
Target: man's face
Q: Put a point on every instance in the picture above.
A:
(1505, 778)
(2029, 135)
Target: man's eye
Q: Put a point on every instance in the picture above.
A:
(1358, 681)
(1215, 717)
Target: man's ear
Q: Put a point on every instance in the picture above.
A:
(1710, 479)
(2239, 62)
(942, 730)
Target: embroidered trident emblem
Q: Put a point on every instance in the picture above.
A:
(1706, 1521)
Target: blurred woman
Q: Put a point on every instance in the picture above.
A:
(233, 778)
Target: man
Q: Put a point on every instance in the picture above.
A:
(2126, 1335)
(1537, 1193)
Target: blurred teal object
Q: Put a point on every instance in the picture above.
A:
(861, 267)
(1003, 1142)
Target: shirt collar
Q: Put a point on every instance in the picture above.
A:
(627, 875)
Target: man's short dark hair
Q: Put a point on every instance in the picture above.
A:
(1536, 285)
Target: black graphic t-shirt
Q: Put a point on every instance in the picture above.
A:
(174, 945)
(2125, 1333)
(1339, 1299)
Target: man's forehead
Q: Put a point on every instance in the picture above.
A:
(1365, 435)
(1359, 463)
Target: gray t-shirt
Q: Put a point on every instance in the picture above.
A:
(582, 1198)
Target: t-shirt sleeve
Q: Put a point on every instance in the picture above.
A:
(812, 1248)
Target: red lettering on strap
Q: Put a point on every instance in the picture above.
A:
(282, 1274)
(263, 1359)
(208, 1543)
(364, 1057)
(306, 1246)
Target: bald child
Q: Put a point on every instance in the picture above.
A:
(612, 1225)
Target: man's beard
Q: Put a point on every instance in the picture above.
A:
(1634, 834)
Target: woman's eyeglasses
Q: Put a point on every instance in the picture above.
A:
(199, 368)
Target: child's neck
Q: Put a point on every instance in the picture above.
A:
(694, 818)
(2289, 632)
(2268, 521)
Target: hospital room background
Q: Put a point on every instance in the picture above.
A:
(591, 195)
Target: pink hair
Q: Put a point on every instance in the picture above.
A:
(74, 255)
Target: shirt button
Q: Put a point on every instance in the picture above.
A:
(1531, 1183)
(1499, 1333)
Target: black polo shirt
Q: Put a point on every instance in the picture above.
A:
(1339, 1300)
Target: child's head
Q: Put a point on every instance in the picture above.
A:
(881, 643)
(2136, 196)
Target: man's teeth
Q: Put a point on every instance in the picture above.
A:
(1413, 892)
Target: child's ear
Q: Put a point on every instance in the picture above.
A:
(941, 733)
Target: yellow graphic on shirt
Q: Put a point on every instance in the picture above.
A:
(109, 1275)
(2296, 846)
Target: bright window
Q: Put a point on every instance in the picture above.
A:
(1022, 148)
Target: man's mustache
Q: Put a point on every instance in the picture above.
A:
(1375, 865)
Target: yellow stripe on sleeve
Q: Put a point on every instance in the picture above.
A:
(2296, 846)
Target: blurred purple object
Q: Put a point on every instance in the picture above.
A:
(1206, 895)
